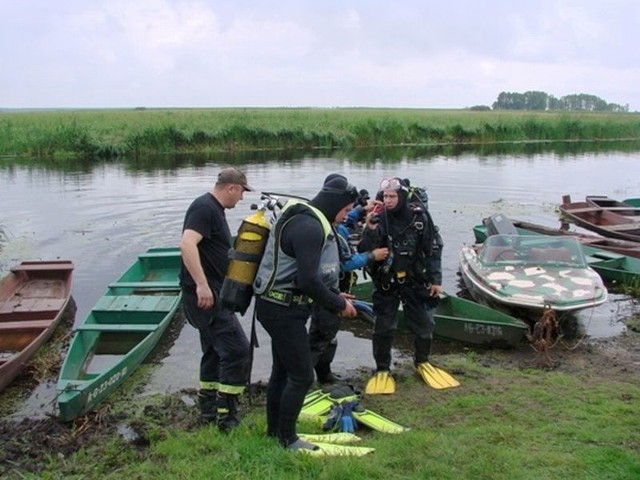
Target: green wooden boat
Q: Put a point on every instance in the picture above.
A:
(613, 267)
(120, 331)
(634, 202)
(460, 320)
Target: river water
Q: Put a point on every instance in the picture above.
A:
(101, 216)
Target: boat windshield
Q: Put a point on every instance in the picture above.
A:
(533, 250)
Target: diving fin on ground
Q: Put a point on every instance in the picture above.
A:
(313, 395)
(338, 438)
(332, 450)
(322, 404)
(436, 377)
(382, 383)
(376, 421)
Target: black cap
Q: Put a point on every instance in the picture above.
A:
(336, 194)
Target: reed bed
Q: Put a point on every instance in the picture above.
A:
(115, 133)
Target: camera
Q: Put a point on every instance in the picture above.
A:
(362, 198)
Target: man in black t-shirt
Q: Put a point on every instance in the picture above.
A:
(205, 243)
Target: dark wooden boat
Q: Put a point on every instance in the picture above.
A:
(613, 205)
(33, 297)
(120, 331)
(604, 221)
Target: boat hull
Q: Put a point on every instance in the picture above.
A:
(611, 264)
(606, 222)
(33, 298)
(531, 285)
(461, 320)
(121, 330)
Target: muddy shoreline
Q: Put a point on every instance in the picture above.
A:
(27, 443)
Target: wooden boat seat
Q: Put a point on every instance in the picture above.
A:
(174, 285)
(27, 267)
(175, 253)
(495, 254)
(25, 325)
(561, 254)
(624, 226)
(119, 327)
(135, 303)
(34, 306)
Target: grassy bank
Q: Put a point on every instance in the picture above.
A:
(510, 419)
(129, 133)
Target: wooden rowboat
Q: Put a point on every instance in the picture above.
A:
(605, 221)
(120, 331)
(461, 320)
(33, 297)
(612, 205)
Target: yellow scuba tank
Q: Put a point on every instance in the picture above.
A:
(244, 259)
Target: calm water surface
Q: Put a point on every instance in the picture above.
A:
(102, 217)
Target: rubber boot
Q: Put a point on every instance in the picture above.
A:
(227, 411)
(208, 400)
(323, 364)
(422, 350)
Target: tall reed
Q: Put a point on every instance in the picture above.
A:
(116, 133)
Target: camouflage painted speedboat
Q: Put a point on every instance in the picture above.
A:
(531, 273)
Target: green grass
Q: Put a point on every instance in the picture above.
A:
(504, 422)
(116, 133)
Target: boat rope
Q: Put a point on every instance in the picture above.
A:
(546, 334)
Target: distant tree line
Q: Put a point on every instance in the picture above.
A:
(534, 100)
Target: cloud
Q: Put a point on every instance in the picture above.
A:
(349, 53)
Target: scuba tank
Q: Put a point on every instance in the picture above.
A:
(244, 259)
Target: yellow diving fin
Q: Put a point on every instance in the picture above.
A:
(320, 402)
(338, 438)
(382, 383)
(376, 421)
(332, 450)
(436, 377)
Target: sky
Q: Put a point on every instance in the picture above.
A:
(315, 53)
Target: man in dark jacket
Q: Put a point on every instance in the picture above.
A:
(412, 274)
(300, 264)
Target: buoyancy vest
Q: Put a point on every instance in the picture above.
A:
(409, 250)
(278, 271)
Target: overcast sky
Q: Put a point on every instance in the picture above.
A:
(324, 53)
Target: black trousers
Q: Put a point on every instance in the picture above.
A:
(224, 364)
(418, 317)
(292, 368)
(322, 337)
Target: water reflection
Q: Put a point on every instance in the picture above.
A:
(102, 215)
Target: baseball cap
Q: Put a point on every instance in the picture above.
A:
(233, 175)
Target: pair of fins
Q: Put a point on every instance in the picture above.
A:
(319, 402)
(334, 444)
(382, 383)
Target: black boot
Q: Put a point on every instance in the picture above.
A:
(422, 350)
(382, 352)
(208, 406)
(325, 375)
(227, 411)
